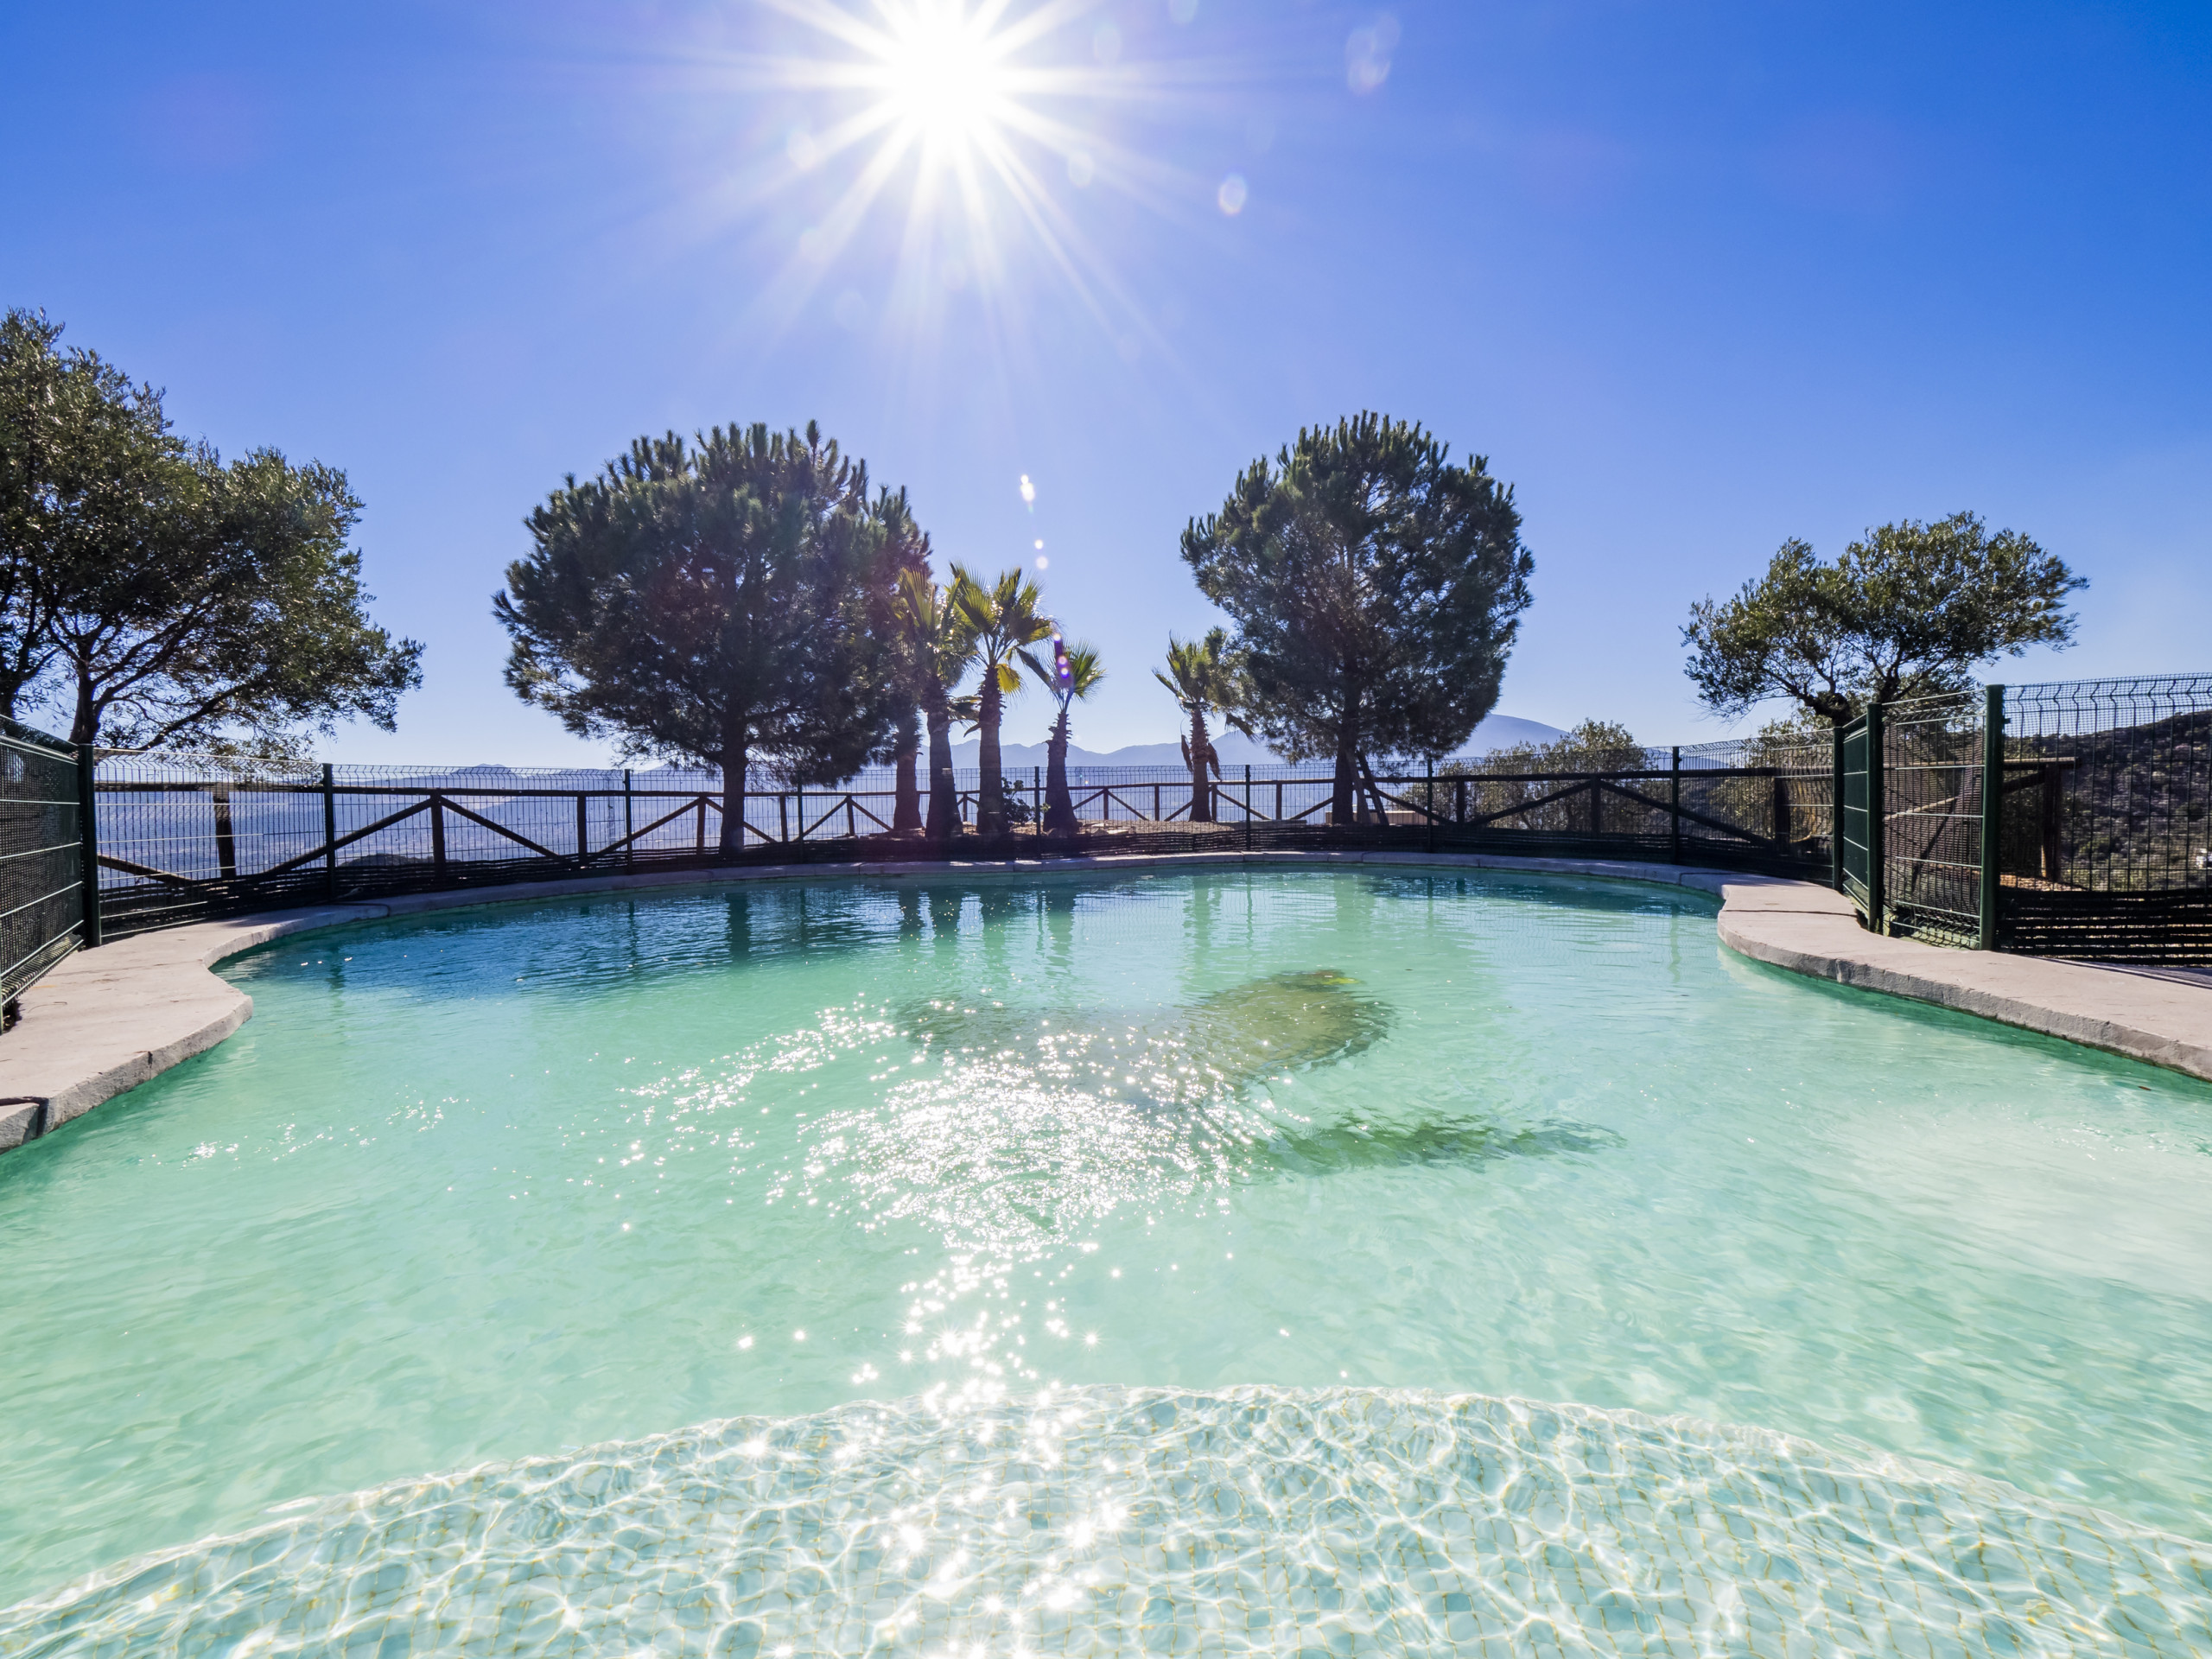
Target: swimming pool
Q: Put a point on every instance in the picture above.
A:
(878, 1166)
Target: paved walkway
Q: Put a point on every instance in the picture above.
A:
(109, 1020)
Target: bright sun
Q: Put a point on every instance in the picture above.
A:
(943, 74)
(985, 121)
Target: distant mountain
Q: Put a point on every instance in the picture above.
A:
(1498, 732)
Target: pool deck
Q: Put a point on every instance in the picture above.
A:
(107, 1020)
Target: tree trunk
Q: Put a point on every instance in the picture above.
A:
(990, 790)
(85, 728)
(1201, 752)
(1059, 813)
(735, 755)
(944, 801)
(1343, 789)
(906, 797)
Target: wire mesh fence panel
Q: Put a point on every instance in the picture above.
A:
(41, 856)
(1932, 764)
(2105, 844)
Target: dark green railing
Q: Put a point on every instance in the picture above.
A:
(45, 852)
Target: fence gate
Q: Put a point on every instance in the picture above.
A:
(1859, 813)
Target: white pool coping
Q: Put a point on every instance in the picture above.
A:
(107, 1020)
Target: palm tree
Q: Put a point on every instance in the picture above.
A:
(1073, 672)
(1203, 678)
(943, 644)
(1005, 617)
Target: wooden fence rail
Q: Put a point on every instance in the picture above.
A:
(131, 850)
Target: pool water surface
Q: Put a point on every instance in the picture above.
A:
(888, 1158)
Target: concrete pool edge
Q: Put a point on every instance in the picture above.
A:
(107, 1020)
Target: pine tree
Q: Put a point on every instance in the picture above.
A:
(721, 600)
(1376, 589)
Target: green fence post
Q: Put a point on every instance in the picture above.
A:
(88, 837)
(1675, 806)
(1878, 838)
(1992, 809)
(1836, 812)
(329, 832)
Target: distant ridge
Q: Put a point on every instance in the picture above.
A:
(1498, 732)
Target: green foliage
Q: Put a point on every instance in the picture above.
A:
(1909, 612)
(1083, 677)
(162, 597)
(1083, 673)
(1374, 588)
(1204, 677)
(939, 647)
(1005, 617)
(720, 600)
(1594, 745)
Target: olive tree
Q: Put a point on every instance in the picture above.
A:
(162, 597)
(1909, 611)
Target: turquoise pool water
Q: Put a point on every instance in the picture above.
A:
(502, 1184)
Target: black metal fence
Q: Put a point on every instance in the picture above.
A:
(2105, 846)
(1932, 764)
(2092, 796)
(2066, 819)
(182, 839)
(42, 909)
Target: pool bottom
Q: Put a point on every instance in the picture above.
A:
(1105, 1520)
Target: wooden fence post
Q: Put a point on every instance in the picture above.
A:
(226, 840)
(629, 825)
(329, 832)
(1248, 806)
(2052, 820)
(437, 837)
(1783, 827)
(88, 841)
(1428, 809)
(583, 826)
(1675, 806)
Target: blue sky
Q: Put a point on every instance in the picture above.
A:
(1695, 277)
